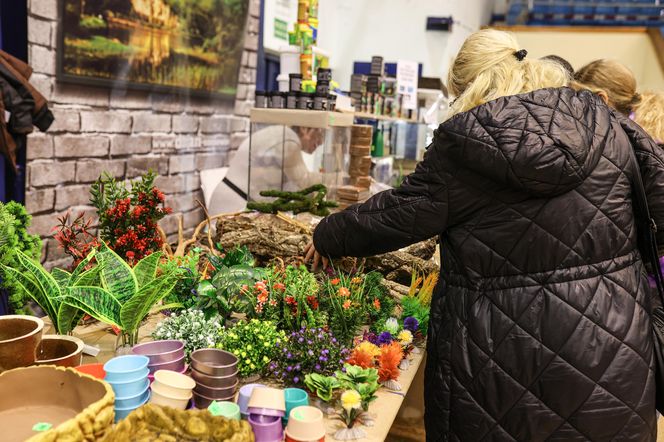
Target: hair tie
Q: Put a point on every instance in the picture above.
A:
(520, 54)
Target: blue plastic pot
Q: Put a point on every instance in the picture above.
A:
(124, 368)
(121, 413)
(130, 389)
(133, 401)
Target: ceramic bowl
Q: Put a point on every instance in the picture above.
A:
(160, 398)
(215, 393)
(19, 337)
(176, 365)
(131, 388)
(64, 351)
(267, 398)
(160, 352)
(174, 384)
(266, 428)
(122, 368)
(305, 424)
(295, 397)
(121, 413)
(133, 401)
(201, 401)
(94, 370)
(229, 410)
(214, 381)
(244, 396)
(214, 362)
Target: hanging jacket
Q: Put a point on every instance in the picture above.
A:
(540, 323)
(26, 106)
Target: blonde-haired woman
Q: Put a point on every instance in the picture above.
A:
(540, 326)
(649, 114)
(613, 81)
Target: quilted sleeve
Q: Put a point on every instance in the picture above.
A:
(392, 219)
(651, 163)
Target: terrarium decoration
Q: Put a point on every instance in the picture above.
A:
(312, 200)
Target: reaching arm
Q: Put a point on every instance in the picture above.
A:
(392, 219)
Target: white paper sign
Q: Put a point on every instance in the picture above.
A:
(278, 16)
(407, 82)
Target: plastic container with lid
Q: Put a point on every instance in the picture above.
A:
(305, 101)
(261, 99)
(295, 82)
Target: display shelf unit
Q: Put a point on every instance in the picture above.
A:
(305, 118)
(367, 116)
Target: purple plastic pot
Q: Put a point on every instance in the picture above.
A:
(266, 428)
(245, 395)
(215, 393)
(160, 352)
(214, 362)
(265, 412)
(176, 365)
(214, 381)
(183, 371)
(203, 402)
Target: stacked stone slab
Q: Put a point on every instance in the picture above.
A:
(360, 166)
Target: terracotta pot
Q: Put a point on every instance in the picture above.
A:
(214, 362)
(305, 424)
(201, 401)
(215, 393)
(176, 365)
(65, 351)
(19, 337)
(94, 370)
(78, 406)
(214, 381)
(160, 352)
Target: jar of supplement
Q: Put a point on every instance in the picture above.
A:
(292, 99)
(295, 82)
(320, 102)
(305, 101)
(331, 102)
(277, 101)
(261, 100)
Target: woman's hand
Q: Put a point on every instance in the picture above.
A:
(311, 254)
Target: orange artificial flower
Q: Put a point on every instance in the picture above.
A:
(388, 361)
(356, 280)
(344, 292)
(335, 281)
(376, 303)
(347, 304)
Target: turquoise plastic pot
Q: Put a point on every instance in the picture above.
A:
(130, 389)
(133, 401)
(295, 397)
(123, 368)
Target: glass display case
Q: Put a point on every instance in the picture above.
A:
(293, 149)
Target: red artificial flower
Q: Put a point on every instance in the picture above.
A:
(313, 302)
(335, 281)
(346, 304)
(279, 286)
(290, 300)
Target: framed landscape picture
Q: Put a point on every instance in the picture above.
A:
(189, 46)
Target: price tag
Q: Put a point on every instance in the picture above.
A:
(42, 426)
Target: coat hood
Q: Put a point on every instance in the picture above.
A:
(544, 142)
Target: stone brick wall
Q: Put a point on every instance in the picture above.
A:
(125, 133)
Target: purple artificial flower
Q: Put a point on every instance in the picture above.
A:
(310, 342)
(298, 367)
(289, 369)
(301, 340)
(370, 337)
(310, 352)
(290, 355)
(411, 324)
(317, 367)
(384, 338)
(296, 380)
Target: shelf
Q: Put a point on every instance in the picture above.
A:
(367, 116)
(298, 117)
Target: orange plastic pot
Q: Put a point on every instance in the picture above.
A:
(94, 370)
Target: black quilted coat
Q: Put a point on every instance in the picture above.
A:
(540, 325)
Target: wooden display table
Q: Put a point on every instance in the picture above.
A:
(383, 410)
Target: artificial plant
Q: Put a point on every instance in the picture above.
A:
(14, 238)
(254, 343)
(311, 199)
(184, 294)
(322, 386)
(75, 238)
(343, 298)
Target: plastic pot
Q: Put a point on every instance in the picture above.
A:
(305, 424)
(123, 368)
(174, 384)
(214, 381)
(159, 352)
(65, 351)
(266, 428)
(130, 388)
(121, 413)
(19, 337)
(214, 362)
(215, 393)
(94, 370)
(267, 398)
(229, 410)
(160, 397)
(244, 396)
(133, 401)
(176, 365)
(201, 401)
(295, 397)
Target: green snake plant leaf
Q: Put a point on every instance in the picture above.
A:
(135, 309)
(68, 317)
(96, 302)
(116, 275)
(89, 278)
(61, 277)
(48, 289)
(80, 268)
(24, 282)
(146, 269)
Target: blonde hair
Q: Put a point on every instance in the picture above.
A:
(487, 67)
(614, 79)
(650, 114)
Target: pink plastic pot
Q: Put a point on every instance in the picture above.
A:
(160, 352)
(176, 365)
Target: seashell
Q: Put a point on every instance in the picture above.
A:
(392, 385)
